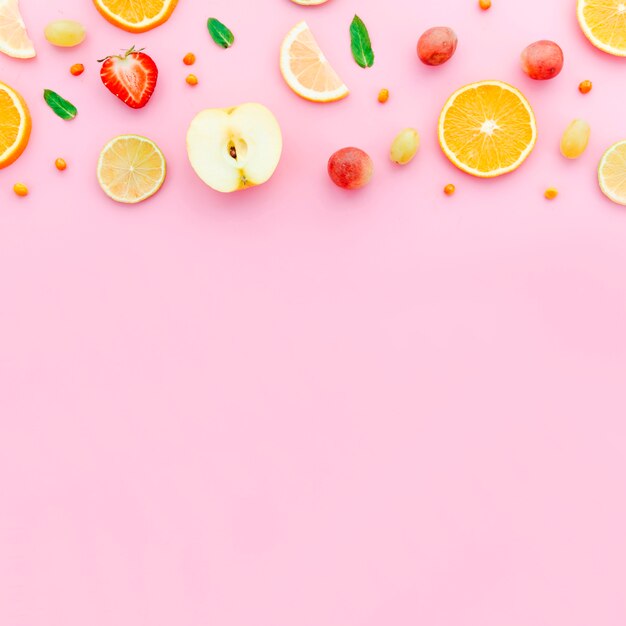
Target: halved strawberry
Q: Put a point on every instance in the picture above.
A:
(132, 77)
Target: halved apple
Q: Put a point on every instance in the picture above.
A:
(236, 148)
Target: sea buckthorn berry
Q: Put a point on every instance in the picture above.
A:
(77, 69)
(60, 164)
(585, 86)
(484, 4)
(551, 193)
(449, 189)
(383, 95)
(189, 58)
(20, 189)
(192, 80)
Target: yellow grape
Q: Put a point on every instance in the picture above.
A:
(65, 33)
(405, 146)
(575, 139)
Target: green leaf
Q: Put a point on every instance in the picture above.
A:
(64, 109)
(221, 34)
(361, 44)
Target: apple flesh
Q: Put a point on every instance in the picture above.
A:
(235, 148)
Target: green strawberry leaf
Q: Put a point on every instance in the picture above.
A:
(64, 109)
(221, 34)
(361, 44)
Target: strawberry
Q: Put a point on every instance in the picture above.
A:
(132, 77)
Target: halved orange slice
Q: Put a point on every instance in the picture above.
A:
(14, 39)
(604, 24)
(15, 125)
(136, 16)
(487, 129)
(306, 70)
(309, 3)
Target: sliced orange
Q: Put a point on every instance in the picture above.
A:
(306, 70)
(14, 39)
(131, 169)
(136, 16)
(487, 129)
(604, 24)
(309, 3)
(15, 125)
(612, 173)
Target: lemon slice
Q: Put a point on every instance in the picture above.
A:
(14, 39)
(487, 129)
(131, 169)
(604, 24)
(306, 70)
(310, 3)
(15, 125)
(136, 16)
(612, 173)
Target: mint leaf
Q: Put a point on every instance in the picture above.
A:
(64, 109)
(361, 44)
(221, 34)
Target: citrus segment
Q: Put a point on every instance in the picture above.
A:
(487, 129)
(136, 16)
(131, 169)
(612, 173)
(14, 39)
(15, 125)
(306, 70)
(604, 24)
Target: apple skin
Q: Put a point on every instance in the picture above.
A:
(350, 168)
(234, 148)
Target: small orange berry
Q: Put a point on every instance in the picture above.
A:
(77, 69)
(383, 95)
(192, 80)
(449, 189)
(20, 189)
(585, 86)
(484, 4)
(551, 193)
(189, 58)
(60, 164)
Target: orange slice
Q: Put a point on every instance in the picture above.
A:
(136, 16)
(306, 70)
(131, 169)
(612, 173)
(14, 39)
(309, 3)
(15, 125)
(487, 129)
(604, 24)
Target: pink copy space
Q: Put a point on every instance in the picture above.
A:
(296, 406)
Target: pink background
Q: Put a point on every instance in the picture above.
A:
(298, 406)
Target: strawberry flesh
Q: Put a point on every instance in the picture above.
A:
(132, 77)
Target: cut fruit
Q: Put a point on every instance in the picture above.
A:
(136, 16)
(487, 129)
(14, 39)
(15, 125)
(131, 169)
(604, 24)
(612, 173)
(309, 3)
(306, 70)
(235, 148)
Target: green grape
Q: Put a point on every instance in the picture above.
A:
(65, 33)
(405, 146)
